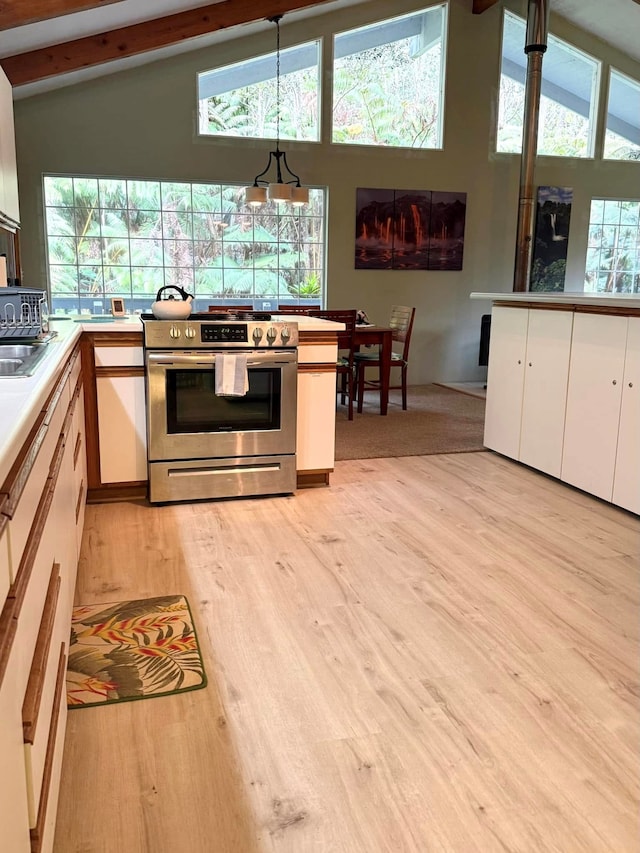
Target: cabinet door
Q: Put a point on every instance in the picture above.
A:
(316, 435)
(122, 426)
(626, 483)
(593, 402)
(545, 389)
(14, 816)
(8, 168)
(505, 380)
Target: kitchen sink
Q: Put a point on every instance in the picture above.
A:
(21, 359)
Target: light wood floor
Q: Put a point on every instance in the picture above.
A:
(434, 654)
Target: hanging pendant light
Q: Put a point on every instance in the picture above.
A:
(282, 189)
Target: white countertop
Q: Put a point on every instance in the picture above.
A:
(22, 397)
(626, 300)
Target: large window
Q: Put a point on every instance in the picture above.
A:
(622, 136)
(116, 237)
(568, 99)
(240, 99)
(613, 256)
(388, 82)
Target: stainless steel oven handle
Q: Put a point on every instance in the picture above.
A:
(258, 359)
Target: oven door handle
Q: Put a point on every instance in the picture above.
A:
(266, 359)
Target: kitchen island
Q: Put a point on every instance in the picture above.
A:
(563, 388)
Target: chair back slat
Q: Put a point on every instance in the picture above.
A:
(297, 309)
(402, 324)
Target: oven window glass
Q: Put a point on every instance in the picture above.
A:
(193, 406)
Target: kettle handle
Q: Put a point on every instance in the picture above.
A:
(180, 290)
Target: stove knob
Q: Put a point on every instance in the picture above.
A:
(272, 334)
(257, 335)
(285, 334)
(174, 331)
(190, 332)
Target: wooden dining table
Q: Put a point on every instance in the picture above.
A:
(382, 336)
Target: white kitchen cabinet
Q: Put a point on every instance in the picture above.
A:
(39, 508)
(122, 428)
(593, 402)
(527, 385)
(316, 433)
(626, 480)
(8, 169)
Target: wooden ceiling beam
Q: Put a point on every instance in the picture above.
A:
(16, 13)
(85, 52)
(480, 6)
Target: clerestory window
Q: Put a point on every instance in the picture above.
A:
(622, 135)
(388, 82)
(111, 237)
(240, 99)
(568, 101)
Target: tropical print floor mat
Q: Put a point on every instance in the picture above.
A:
(132, 650)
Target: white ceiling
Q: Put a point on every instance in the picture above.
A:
(614, 21)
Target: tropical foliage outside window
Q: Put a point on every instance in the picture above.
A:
(568, 99)
(240, 99)
(388, 82)
(117, 237)
(613, 255)
(622, 135)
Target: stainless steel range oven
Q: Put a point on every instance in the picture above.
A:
(202, 442)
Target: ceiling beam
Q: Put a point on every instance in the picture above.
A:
(85, 52)
(480, 6)
(16, 13)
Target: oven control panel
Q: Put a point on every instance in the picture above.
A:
(255, 334)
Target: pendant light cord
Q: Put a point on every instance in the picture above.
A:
(276, 21)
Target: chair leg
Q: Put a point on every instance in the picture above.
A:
(349, 382)
(360, 384)
(404, 387)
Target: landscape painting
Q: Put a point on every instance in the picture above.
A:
(409, 229)
(549, 260)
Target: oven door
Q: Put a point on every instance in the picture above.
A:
(187, 420)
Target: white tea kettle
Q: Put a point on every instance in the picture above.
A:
(171, 308)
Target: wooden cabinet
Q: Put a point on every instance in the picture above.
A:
(8, 171)
(39, 517)
(115, 415)
(603, 412)
(527, 385)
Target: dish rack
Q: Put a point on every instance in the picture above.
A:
(24, 313)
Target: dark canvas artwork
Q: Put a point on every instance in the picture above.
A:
(549, 261)
(409, 229)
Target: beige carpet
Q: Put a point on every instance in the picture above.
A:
(438, 420)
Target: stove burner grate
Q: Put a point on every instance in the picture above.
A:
(235, 316)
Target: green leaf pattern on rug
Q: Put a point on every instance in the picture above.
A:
(132, 650)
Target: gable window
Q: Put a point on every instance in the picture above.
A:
(240, 99)
(116, 237)
(388, 82)
(613, 255)
(622, 135)
(568, 100)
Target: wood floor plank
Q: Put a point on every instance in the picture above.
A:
(434, 654)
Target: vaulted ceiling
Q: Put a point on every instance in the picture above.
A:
(57, 40)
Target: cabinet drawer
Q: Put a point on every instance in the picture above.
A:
(119, 356)
(42, 832)
(38, 706)
(5, 568)
(22, 512)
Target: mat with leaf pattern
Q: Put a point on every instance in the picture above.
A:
(132, 650)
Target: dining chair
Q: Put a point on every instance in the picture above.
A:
(345, 368)
(401, 322)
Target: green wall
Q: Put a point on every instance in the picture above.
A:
(142, 123)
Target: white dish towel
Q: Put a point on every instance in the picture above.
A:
(232, 379)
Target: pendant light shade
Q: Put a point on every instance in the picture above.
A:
(286, 185)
